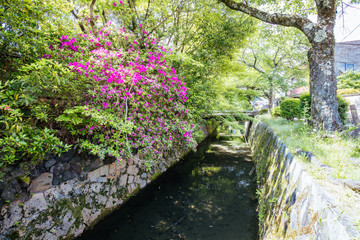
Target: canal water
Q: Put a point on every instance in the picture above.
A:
(209, 195)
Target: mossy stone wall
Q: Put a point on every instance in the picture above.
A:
(291, 204)
(64, 211)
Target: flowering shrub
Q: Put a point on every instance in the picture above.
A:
(132, 102)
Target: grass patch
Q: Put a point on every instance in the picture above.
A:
(331, 149)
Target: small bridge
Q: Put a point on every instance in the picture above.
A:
(213, 114)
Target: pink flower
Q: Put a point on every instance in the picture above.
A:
(114, 4)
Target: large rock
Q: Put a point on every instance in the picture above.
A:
(11, 188)
(41, 183)
(123, 180)
(12, 215)
(34, 205)
(100, 172)
(132, 170)
(50, 163)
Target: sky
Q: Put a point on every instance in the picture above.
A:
(347, 26)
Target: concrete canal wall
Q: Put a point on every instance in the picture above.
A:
(291, 204)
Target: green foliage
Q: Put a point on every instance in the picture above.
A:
(350, 79)
(290, 108)
(263, 111)
(39, 96)
(275, 60)
(27, 27)
(275, 111)
(23, 137)
(305, 105)
(343, 107)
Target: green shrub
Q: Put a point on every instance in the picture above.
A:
(343, 106)
(290, 108)
(305, 106)
(349, 79)
(276, 111)
(263, 111)
(24, 134)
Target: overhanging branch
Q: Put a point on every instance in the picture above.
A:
(302, 23)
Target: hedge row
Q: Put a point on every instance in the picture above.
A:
(291, 108)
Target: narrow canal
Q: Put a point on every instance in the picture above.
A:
(209, 195)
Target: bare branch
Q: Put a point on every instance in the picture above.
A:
(172, 14)
(82, 27)
(254, 64)
(92, 24)
(104, 16)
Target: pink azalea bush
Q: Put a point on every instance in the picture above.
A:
(133, 102)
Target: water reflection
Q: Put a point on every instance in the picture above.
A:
(204, 198)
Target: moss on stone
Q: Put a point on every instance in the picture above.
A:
(155, 175)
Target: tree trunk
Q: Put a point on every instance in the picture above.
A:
(271, 97)
(323, 83)
(323, 86)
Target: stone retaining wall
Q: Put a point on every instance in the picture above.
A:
(291, 204)
(64, 209)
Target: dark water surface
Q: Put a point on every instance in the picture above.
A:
(209, 195)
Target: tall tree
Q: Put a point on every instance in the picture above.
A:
(277, 56)
(324, 107)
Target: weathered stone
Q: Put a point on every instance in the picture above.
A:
(137, 179)
(68, 174)
(50, 163)
(132, 170)
(47, 224)
(57, 169)
(41, 183)
(76, 169)
(78, 231)
(142, 183)
(95, 187)
(49, 236)
(18, 172)
(53, 194)
(112, 202)
(56, 180)
(11, 188)
(86, 213)
(116, 167)
(131, 188)
(130, 179)
(38, 170)
(100, 199)
(65, 225)
(100, 172)
(123, 180)
(13, 215)
(35, 205)
(66, 188)
(143, 175)
(94, 164)
(66, 156)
